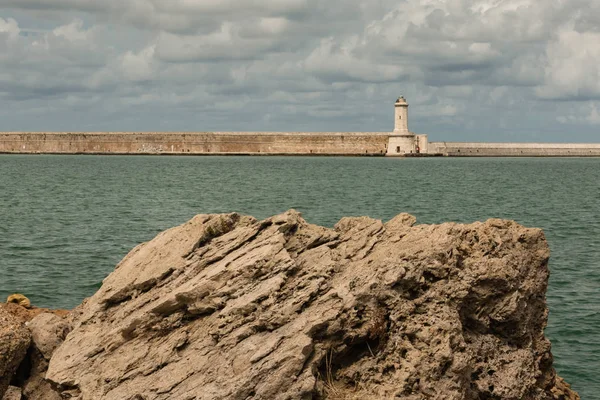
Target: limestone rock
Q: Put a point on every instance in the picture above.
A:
(36, 387)
(562, 390)
(12, 393)
(228, 307)
(24, 315)
(14, 342)
(48, 331)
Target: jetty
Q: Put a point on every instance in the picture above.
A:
(401, 142)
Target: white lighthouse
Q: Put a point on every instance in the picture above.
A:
(401, 117)
(403, 142)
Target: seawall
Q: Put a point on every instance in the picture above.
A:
(478, 149)
(268, 143)
(276, 143)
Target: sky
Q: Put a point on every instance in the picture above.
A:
(489, 70)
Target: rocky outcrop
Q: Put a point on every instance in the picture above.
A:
(39, 332)
(14, 342)
(25, 314)
(562, 390)
(48, 331)
(228, 307)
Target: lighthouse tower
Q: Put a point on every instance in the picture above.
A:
(401, 117)
(403, 142)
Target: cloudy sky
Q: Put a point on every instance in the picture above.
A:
(493, 70)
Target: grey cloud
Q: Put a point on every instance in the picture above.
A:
(301, 64)
(80, 5)
(175, 16)
(224, 44)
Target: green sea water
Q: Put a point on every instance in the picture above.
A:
(65, 221)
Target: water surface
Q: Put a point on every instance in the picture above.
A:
(65, 221)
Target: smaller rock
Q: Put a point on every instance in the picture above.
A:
(48, 331)
(13, 393)
(400, 222)
(562, 390)
(19, 299)
(37, 388)
(24, 315)
(14, 342)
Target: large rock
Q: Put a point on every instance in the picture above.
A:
(228, 307)
(14, 342)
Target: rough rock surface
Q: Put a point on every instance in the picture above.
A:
(24, 315)
(48, 330)
(228, 307)
(12, 393)
(14, 342)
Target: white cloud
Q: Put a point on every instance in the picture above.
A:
(338, 63)
(72, 32)
(594, 116)
(573, 66)
(138, 66)
(10, 27)
(586, 113)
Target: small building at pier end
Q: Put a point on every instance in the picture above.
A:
(403, 142)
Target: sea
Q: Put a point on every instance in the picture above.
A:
(66, 221)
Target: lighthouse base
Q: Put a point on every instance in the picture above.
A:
(408, 144)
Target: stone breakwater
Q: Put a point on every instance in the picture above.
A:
(230, 307)
(475, 149)
(275, 143)
(250, 143)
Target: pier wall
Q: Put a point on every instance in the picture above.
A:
(273, 143)
(478, 149)
(334, 143)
